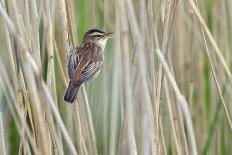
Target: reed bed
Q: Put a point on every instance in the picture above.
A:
(165, 87)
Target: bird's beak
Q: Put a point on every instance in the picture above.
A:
(108, 35)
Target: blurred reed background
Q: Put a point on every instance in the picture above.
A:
(165, 87)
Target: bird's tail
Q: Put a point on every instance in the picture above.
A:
(71, 92)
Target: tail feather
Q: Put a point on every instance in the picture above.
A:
(71, 92)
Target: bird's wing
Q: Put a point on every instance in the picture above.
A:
(92, 68)
(84, 63)
(73, 63)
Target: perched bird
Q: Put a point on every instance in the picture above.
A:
(85, 61)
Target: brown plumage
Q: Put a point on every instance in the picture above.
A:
(85, 62)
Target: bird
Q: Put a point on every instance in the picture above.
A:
(85, 61)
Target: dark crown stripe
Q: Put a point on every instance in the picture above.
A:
(95, 30)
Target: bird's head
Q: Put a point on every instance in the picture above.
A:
(97, 36)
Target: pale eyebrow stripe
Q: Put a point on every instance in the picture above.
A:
(96, 33)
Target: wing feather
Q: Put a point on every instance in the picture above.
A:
(84, 62)
(74, 61)
(90, 70)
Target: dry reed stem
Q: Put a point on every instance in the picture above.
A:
(179, 120)
(50, 73)
(89, 116)
(2, 137)
(162, 136)
(129, 112)
(69, 21)
(147, 122)
(124, 138)
(35, 34)
(68, 31)
(15, 109)
(12, 62)
(89, 120)
(7, 19)
(171, 115)
(84, 94)
(41, 133)
(14, 75)
(35, 68)
(115, 86)
(20, 40)
(54, 133)
(79, 135)
(60, 65)
(182, 102)
(59, 120)
(213, 70)
(211, 39)
(167, 18)
(216, 80)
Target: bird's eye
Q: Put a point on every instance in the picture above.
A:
(98, 36)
